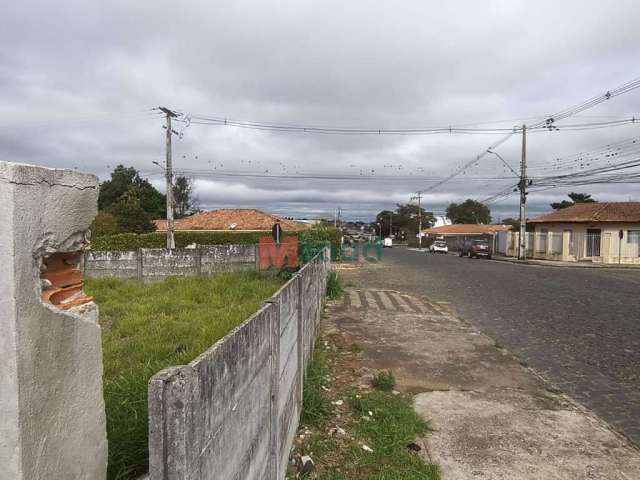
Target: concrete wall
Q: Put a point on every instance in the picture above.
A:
(232, 413)
(155, 264)
(52, 420)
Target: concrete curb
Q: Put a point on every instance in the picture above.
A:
(549, 263)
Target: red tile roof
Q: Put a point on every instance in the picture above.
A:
(232, 219)
(467, 229)
(624, 212)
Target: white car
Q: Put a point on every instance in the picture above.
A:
(387, 243)
(439, 247)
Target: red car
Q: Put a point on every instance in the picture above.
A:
(476, 248)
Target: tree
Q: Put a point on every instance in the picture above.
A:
(183, 200)
(123, 180)
(132, 218)
(104, 224)
(469, 211)
(515, 223)
(575, 198)
(404, 218)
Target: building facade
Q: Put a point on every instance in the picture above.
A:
(607, 232)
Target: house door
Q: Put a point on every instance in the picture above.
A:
(593, 242)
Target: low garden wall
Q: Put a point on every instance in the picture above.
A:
(233, 412)
(157, 263)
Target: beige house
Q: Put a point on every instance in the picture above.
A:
(606, 232)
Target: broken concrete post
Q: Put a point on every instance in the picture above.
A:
(52, 419)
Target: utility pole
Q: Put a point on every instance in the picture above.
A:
(391, 225)
(418, 196)
(168, 173)
(522, 248)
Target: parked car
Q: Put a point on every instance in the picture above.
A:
(439, 247)
(387, 242)
(476, 248)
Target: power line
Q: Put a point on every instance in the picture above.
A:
(550, 124)
(447, 129)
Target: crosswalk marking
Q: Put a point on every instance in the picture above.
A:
(371, 301)
(417, 304)
(404, 306)
(388, 300)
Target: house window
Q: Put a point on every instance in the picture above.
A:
(633, 236)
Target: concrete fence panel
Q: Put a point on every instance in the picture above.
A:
(212, 419)
(233, 412)
(227, 258)
(111, 264)
(157, 263)
(161, 263)
(289, 369)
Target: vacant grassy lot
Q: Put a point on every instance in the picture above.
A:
(147, 327)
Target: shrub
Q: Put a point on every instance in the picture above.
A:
(311, 240)
(317, 237)
(104, 224)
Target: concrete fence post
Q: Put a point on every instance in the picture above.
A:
(139, 264)
(198, 260)
(256, 254)
(274, 437)
(52, 418)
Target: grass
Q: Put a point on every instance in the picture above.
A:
(334, 286)
(385, 422)
(384, 381)
(147, 327)
(316, 406)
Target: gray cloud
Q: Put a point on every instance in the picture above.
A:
(77, 80)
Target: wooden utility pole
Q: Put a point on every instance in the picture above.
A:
(418, 196)
(168, 173)
(522, 247)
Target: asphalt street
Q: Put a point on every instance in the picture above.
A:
(578, 327)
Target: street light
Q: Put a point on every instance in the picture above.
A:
(503, 161)
(522, 240)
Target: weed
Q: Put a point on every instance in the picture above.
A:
(334, 285)
(384, 381)
(384, 422)
(316, 406)
(387, 423)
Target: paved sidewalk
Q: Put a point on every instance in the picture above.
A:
(492, 417)
(556, 263)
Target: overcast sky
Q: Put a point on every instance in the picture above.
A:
(77, 80)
